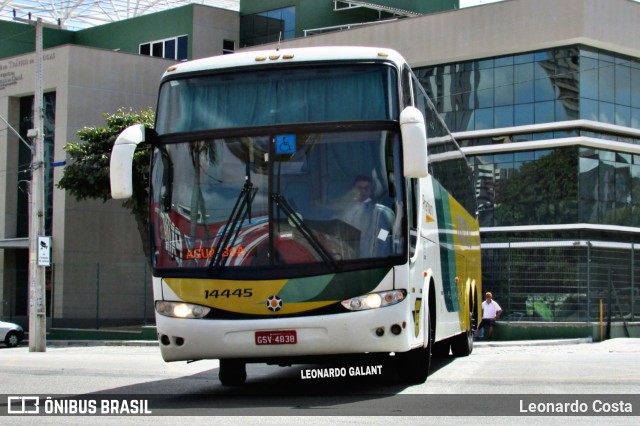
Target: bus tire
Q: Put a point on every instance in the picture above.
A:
(232, 372)
(441, 349)
(462, 344)
(413, 366)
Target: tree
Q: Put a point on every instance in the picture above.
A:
(87, 174)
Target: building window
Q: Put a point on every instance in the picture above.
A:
(170, 48)
(609, 187)
(565, 83)
(228, 46)
(268, 27)
(24, 173)
(527, 188)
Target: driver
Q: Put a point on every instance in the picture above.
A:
(373, 220)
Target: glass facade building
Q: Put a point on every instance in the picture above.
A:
(565, 83)
(551, 137)
(268, 27)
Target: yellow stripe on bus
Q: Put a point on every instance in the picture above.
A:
(238, 296)
(466, 241)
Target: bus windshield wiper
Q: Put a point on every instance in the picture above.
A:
(296, 221)
(241, 210)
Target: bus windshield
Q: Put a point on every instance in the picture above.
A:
(328, 198)
(354, 92)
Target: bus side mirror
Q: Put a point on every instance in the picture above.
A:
(120, 167)
(414, 143)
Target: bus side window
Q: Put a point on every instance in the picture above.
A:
(413, 215)
(407, 97)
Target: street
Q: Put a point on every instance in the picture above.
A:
(138, 372)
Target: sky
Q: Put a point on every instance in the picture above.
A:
(467, 3)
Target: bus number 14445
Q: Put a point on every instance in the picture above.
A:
(239, 292)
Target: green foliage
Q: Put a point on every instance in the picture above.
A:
(86, 175)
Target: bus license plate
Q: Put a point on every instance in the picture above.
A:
(276, 337)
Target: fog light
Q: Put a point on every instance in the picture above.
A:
(379, 331)
(396, 329)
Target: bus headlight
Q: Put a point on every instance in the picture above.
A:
(181, 309)
(374, 300)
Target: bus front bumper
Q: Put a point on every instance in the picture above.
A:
(384, 330)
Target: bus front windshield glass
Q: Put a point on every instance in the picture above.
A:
(319, 94)
(327, 198)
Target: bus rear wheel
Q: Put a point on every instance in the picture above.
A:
(462, 344)
(232, 372)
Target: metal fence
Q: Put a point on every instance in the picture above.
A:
(88, 295)
(559, 281)
(564, 280)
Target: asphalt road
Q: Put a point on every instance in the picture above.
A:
(507, 373)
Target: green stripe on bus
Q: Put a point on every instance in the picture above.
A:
(338, 286)
(447, 247)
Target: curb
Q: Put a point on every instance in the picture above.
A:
(477, 343)
(81, 343)
(550, 342)
(60, 343)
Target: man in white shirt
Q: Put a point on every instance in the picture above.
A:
(491, 311)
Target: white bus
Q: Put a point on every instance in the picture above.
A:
(306, 203)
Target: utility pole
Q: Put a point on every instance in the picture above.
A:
(37, 288)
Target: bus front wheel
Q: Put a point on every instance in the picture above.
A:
(413, 366)
(232, 372)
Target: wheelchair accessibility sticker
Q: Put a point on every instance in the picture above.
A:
(285, 144)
